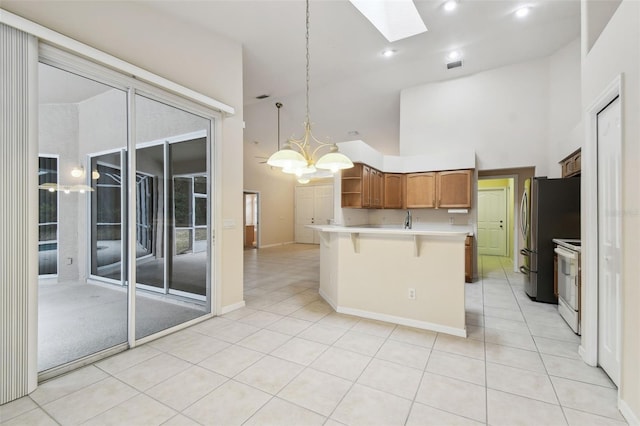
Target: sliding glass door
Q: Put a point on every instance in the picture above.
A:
(89, 139)
(80, 227)
(172, 215)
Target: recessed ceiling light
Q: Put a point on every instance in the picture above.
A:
(395, 19)
(450, 5)
(523, 11)
(453, 55)
(387, 53)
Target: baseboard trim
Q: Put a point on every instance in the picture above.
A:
(628, 413)
(328, 300)
(461, 332)
(277, 244)
(229, 308)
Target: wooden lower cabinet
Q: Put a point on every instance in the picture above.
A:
(468, 259)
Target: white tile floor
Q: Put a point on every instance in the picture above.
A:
(288, 359)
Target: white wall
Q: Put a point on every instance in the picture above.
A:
(564, 113)
(594, 19)
(183, 53)
(617, 51)
(276, 195)
(502, 114)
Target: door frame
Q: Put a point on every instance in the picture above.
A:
(516, 210)
(504, 189)
(588, 349)
(244, 216)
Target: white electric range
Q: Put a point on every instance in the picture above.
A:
(568, 280)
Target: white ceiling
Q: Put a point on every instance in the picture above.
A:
(344, 45)
(352, 86)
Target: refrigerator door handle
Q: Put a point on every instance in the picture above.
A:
(523, 216)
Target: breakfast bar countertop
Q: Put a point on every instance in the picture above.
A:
(434, 229)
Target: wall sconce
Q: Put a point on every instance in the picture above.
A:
(95, 175)
(77, 171)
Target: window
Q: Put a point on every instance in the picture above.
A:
(47, 215)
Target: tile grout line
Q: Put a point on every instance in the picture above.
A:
(544, 365)
(486, 376)
(355, 381)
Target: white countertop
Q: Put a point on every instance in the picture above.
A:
(418, 229)
(568, 243)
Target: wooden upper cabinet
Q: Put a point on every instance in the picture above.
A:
(377, 189)
(366, 186)
(393, 190)
(352, 184)
(454, 189)
(421, 190)
(572, 164)
(360, 188)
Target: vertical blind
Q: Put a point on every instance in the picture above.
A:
(18, 168)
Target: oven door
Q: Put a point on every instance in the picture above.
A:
(568, 291)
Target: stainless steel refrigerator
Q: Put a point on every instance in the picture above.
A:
(550, 208)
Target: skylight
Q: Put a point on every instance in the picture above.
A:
(395, 19)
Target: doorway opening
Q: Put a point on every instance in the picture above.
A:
(251, 221)
(496, 217)
(518, 176)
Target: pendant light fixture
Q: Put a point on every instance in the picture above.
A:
(298, 156)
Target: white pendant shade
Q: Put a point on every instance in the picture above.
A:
(297, 157)
(287, 158)
(334, 161)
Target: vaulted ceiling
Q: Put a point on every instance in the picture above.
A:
(345, 45)
(355, 91)
(353, 87)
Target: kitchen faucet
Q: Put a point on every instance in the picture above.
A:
(407, 220)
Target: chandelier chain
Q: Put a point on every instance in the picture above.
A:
(308, 66)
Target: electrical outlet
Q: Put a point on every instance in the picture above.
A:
(412, 294)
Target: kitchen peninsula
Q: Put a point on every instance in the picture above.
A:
(413, 277)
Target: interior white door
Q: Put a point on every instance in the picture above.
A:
(492, 221)
(313, 205)
(304, 207)
(609, 239)
(322, 208)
